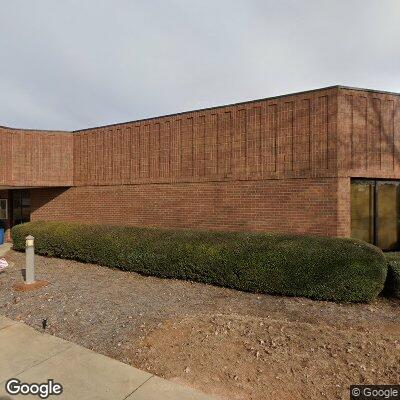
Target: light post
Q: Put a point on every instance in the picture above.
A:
(30, 260)
(30, 283)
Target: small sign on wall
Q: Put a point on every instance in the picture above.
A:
(3, 209)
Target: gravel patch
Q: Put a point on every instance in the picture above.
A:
(168, 327)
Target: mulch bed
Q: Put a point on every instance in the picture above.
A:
(234, 344)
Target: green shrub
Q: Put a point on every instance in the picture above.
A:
(336, 269)
(392, 285)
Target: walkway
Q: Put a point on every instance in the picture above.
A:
(34, 357)
(4, 248)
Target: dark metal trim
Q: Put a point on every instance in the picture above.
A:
(375, 183)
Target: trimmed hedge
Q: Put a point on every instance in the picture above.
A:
(392, 285)
(338, 269)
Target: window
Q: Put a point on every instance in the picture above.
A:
(375, 212)
(3, 209)
(21, 206)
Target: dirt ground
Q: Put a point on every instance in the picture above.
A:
(231, 344)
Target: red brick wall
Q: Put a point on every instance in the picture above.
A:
(292, 205)
(369, 134)
(267, 165)
(368, 131)
(291, 136)
(279, 164)
(35, 158)
(322, 133)
(343, 207)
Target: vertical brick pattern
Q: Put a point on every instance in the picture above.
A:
(35, 158)
(289, 137)
(277, 165)
(369, 134)
(5, 156)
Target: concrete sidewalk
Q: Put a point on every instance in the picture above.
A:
(34, 357)
(3, 249)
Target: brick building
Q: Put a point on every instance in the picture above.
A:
(322, 162)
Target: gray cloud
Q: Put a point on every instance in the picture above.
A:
(75, 64)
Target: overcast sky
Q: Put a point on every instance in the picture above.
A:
(74, 64)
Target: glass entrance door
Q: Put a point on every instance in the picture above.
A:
(21, 206)
(362, 211)
(375, 212)
(387, 215)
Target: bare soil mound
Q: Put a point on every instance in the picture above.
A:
(226, 342)
(259, 358)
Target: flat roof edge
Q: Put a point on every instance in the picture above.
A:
(239, 103)
(210, 108)
(368, 90)
(207, 109)
(35, 130)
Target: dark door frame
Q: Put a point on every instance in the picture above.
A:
(13, 193)
(375, 184)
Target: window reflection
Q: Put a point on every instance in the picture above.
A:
(375, 212)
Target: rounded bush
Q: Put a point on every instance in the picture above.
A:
(392, 285)
(339, 269)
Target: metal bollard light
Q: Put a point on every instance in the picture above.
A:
(30, 259)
